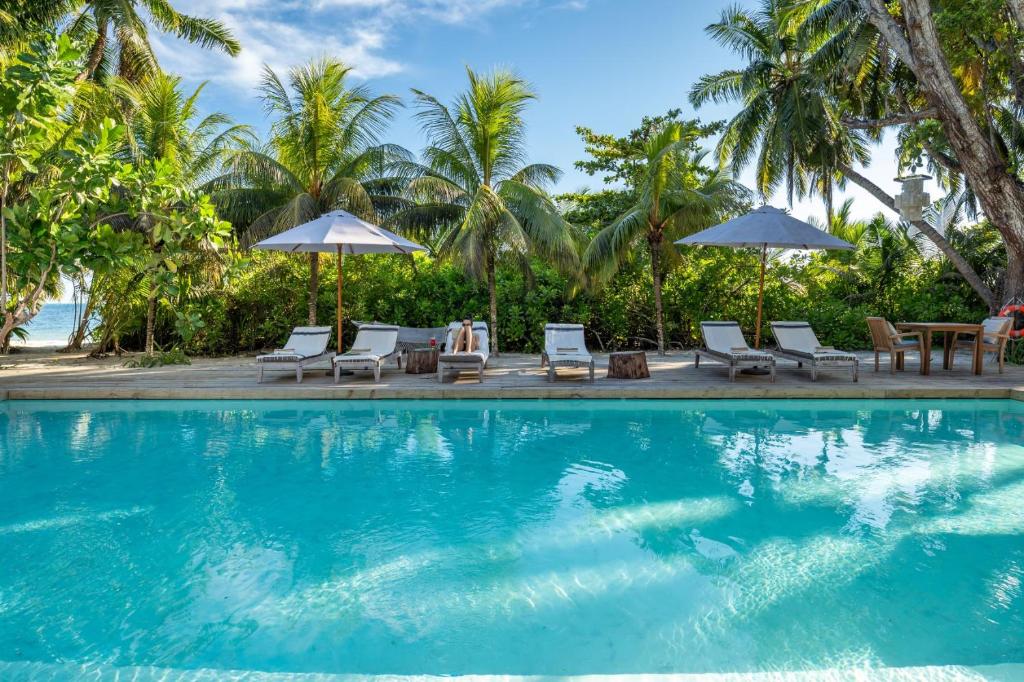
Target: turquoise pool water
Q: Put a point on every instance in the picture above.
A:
(556, 537)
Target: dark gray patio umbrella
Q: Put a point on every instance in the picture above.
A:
(765, 228)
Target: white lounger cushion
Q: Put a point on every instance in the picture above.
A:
(797, 341)
(303, 343)
(725, 338)
(798, 338)
(373, 343)
(565, 343)
(564, 346)
(305, 346)
(373, 346)
(482, 352)
(475, 361)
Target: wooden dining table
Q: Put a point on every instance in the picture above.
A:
(947, 329)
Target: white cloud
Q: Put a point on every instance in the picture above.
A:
(283, 33)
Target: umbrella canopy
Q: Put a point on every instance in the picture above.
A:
(342, 233)
(339, 232)
(765, 228)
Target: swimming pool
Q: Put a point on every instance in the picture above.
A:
(549, 537)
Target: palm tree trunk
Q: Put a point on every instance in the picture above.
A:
(79, 337)
(150, 321)
(958, 261)
(655, 244)
(492, 294)
(95, 53)
(314, 285)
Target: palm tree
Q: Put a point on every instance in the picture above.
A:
(164, 125)
(811, 67)
(786, 121)
(676, 196)
(475, 191)
(116, 29)
(323, 154)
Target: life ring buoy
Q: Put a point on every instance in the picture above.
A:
(1016, 311)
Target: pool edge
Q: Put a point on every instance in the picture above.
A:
(482, 391)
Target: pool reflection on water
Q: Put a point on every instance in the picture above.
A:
(549, 537)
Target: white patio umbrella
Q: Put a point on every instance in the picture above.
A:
(765, 228)
(341, 233)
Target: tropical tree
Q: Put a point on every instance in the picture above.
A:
(61, 188)
(675, 195)
(813, 80)
(324, 153)
(475, 189)
(964, 62)
(117, 30)
(165, 127)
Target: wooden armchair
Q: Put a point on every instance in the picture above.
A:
(997, 333)
(886, 339)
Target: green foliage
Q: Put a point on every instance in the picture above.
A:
(55, 181)
(261, 306)
(622, 159)
(175, 356)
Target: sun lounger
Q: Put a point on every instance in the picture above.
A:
(724, 342)
(474, 361)
(797, 341)
(564, 347)
(306, 346)
(375, 344)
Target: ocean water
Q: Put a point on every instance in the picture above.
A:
(541, 538)
(51, 327)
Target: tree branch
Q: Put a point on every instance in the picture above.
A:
(958, 261)
(901, 118)
(942, 158)
(891, 31)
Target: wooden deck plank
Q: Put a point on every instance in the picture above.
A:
(49, 375)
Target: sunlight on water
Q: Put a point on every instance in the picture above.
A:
(524, 538)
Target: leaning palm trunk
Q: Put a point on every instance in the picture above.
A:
(965, 269)
(96, 53)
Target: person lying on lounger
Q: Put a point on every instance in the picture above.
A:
(466, 341)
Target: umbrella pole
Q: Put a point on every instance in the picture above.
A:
(340, 275)
(760, 298)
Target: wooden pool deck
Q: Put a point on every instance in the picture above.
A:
(41, 374)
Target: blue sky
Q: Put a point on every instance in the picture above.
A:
(600, 63)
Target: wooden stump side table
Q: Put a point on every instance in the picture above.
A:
(422, 360)
(631, 364)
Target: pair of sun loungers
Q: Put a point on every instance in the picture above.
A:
(796, 341)
(563, 347)
(374, 346)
